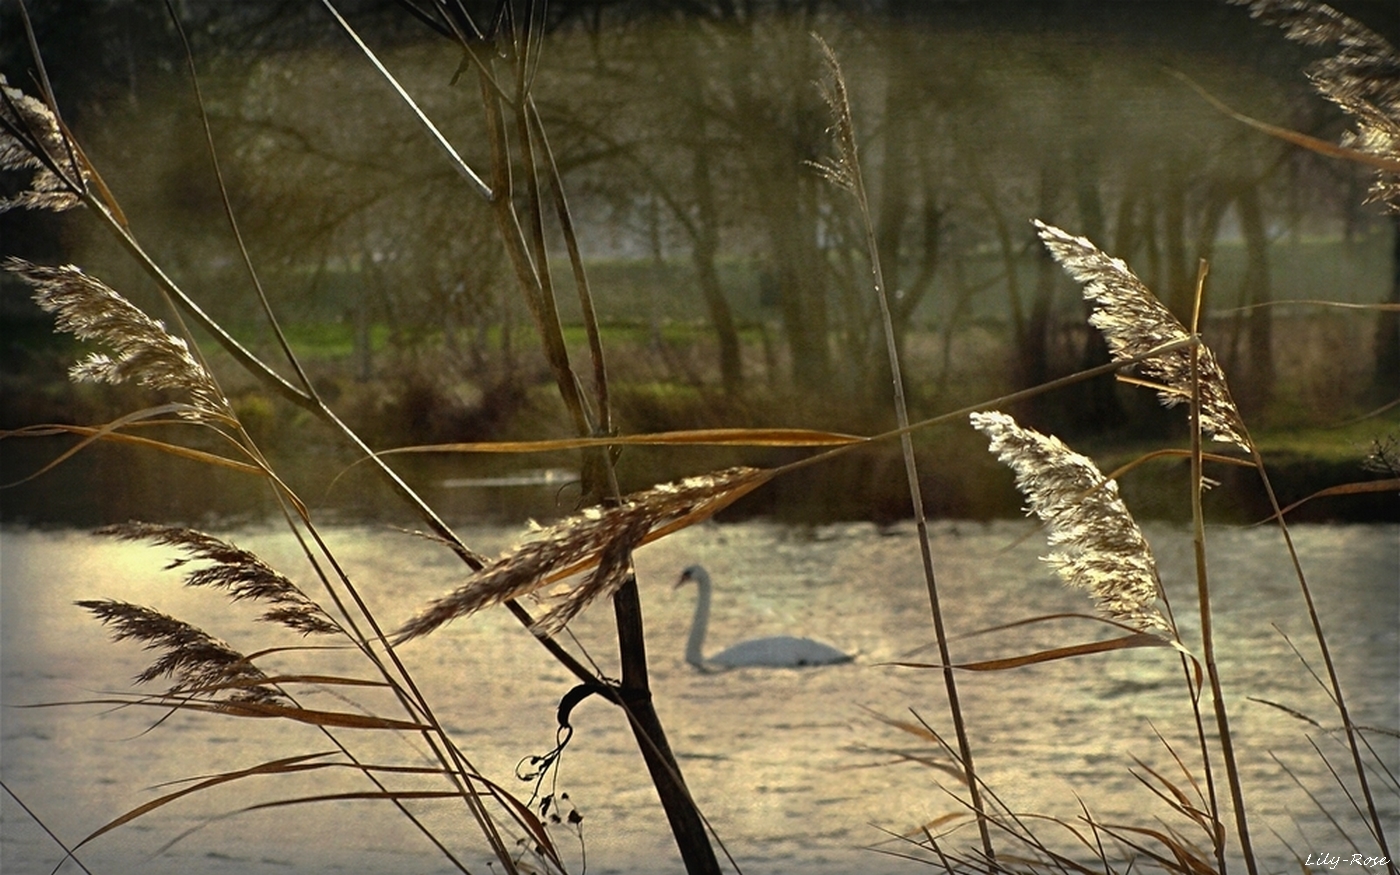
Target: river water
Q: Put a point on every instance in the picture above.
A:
(793, 768)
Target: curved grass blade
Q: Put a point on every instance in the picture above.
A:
(1312, 144)
(1358, 488)
(286, 765)
(109, 432)
(338, 719)
(1137, 639)
(711, 437)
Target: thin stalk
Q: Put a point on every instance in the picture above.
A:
(453, 158)
(848, 174)
(1222, 719)
(1193, 678)
(532, 274)
(69, 853)
(990, 404)
(1375, 826)
(585, 295)
(528, 274)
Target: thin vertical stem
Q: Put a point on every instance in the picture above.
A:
(1222, 720)
(847, 173)
(1375, 826)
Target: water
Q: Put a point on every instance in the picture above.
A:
(794, 769)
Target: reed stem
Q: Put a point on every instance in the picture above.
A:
(848, 174)
(1222, 720)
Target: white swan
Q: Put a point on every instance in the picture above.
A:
(783, 651)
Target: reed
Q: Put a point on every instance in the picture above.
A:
(1097, 546)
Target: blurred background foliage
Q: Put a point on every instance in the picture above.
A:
(729, 277)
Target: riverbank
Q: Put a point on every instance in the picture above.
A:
(960, 480)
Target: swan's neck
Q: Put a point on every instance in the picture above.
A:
(694, 647)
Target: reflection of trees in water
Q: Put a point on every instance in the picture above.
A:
(685, 133)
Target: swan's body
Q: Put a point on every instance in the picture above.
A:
(783, 651)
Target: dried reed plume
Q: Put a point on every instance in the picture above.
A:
(601, 536)
(242, 574)
(1104, 550)
(1363, 78)
(1134, 322)
(142, 348)
(200, 664)
(843, 170)
(27, 130)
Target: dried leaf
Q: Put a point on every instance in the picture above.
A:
(1124, 642)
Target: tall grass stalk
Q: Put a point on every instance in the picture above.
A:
(1361, 79)
(1333, 681)
(845, 172)
(657, 754)
(1198, 542)
(526, 246)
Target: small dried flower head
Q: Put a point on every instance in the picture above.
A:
(1102, 550)
(28, 130)
(238, 572)
(142, 349)
(602, 537)
(844, 169)
(1134, 322)
(200, 665)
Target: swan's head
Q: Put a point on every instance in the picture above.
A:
(692, 574)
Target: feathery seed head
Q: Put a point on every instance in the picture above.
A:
(27, 130)
(200, 664)
(238, 572)
(1134, 322)
(1362, 78)
(842, 170)
(1102, 550)
(142, 349)
(602, 537)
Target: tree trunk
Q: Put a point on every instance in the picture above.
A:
(1388, 329)
(705, 226)
(702, 252)
(1257, 292)
(1033, 347)
(1180, 273)
(1094, 408)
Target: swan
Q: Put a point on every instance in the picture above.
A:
(777, 652)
